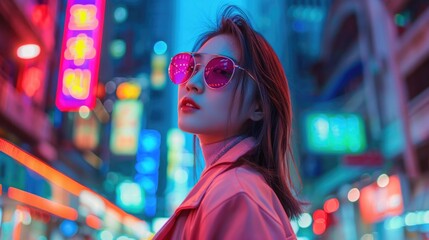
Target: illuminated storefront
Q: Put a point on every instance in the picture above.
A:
(38, 201)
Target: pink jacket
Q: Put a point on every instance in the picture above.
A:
(229, 204)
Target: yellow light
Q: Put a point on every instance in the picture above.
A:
(83, 17)
(79, 49)
(76, 83)
(28, 51)
(31, 81)
(128, 90)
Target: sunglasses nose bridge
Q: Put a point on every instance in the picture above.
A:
(196, 81)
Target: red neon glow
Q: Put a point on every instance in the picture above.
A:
(41, 16)
(1, 189)
(319, 227)
(319, 221)
(377, 203)
(17, 230)
(79, 63)
(83, 17)
(331, 205)
(42, 203)
(93, 221)
(79, 49)
(319, 214)
(38, 214)
(31, 81)
(56, 177)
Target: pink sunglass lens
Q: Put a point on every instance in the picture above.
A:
(218, 72)
(181, 68)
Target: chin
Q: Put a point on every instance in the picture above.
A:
(187, 128)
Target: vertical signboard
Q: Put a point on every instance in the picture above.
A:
(80, 54)
(86, 132)
(126, 123)
(147, 165)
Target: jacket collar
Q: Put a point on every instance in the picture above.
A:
(197, 193)
(210, 172)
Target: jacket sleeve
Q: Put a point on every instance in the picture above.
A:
(239, 217)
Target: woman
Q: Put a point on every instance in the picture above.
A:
(233, 95)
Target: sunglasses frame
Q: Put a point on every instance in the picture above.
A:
(192, 54)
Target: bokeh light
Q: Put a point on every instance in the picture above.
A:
(120, 14)
(28, 51)
(331, 205)
(160, 47)
(84, 112)
(353, 195)
(118, 48)
(383, 180)
(305, 220)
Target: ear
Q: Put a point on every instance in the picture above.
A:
(256, 113)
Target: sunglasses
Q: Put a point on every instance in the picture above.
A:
(218, 71)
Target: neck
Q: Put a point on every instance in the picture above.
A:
(213, 151)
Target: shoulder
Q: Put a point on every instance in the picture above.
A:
(242, 183)
(242, 206)
(241, 179)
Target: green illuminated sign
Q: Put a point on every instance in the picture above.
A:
(335, 133)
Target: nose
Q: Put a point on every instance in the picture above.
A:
(196, 82)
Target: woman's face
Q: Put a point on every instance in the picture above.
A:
(209, 121)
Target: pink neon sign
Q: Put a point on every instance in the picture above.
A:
(80, 54)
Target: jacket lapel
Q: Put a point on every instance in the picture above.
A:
(211, 172)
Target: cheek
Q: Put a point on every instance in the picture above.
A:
(241, 112)
(181, 90)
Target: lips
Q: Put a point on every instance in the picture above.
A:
(188, 103)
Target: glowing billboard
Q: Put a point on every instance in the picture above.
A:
(126, 123)
(80, 54)
(335, 133)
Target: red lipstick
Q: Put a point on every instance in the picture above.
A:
(188, 105)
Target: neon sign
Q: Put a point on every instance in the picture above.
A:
(80, 54)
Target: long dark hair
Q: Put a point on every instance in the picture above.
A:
(272, 156)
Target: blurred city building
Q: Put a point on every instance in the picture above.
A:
(364, 121)
(54, 159)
